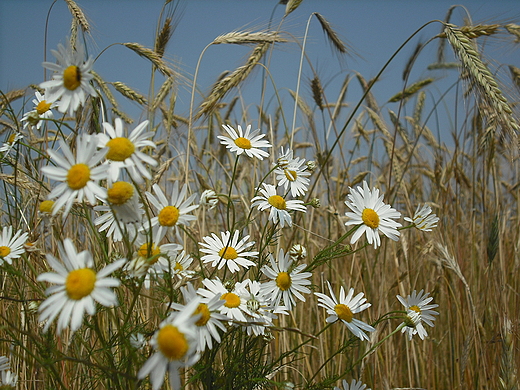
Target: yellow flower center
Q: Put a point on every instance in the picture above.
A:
(178, 267)
(290, 175)
(43, 107)
(120, 149)
(415, 308)
(80, 283)
(120, 193)
(203, 310)
(228, 253)
(149, 252)
(370, 218)
(232, 300)
(78, 176)
(277, 201)
(11, 138)
(283, 281)
(46, 206)
(243, 143)
(343, 311)
(4, 251)
(169, 216)
(71, 78)
(172, 343)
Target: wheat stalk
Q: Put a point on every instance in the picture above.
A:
(128, 92)
(163, 92)
(104, 87)
(411, 90)
(480, 74)
(78, 15)
(232, 80)
(317, 92)
(163, 37)
(476, 31)
(331, 34)
(246, 37)
(513, 29)
(151, 55)
(291, 5)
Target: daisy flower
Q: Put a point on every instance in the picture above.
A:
(172, 213)
(228, 251)
(234, 306)
(423, 219)
(41, 111)
(354, 385)
(290, 174)
(137, 340)
(248, 142)
(371, 215)
(153, 259)
(79, 175)
(279, 207)
(123, 152)
(209, 198)
(4, 363)
(10, 143)
(71, 81)
(11, 247)
(344, 310)
(179, 265)
(210, 317)
(76, 288)
(298, 252)
(259, 309)
(285, 284)
(8, 379)
(418, 311)
(123, 214)
(175, 345)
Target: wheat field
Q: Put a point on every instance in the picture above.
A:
(150, 248)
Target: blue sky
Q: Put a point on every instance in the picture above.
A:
(374, 28)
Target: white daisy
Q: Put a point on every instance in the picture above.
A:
(124, 213)
(123, 152)
(259, 309)
(371, 215)
(418, 311)
(8, 379)
(423, 219)
(79, 175)
(298, 252)
(209, 198)
(4, 363)
(152, 258)
(344, 310)
(175, 345)
(10, 143)
(228, 251)
(290, 174)
(172, 213)
(279, 207)
(354, 385)
(77, 287)
(210, 317)
(137, 340)
(179, 265)
(247, 142)
(42, 110)
(285, 284)
(11, 247)
(235, 305)
(71, 82)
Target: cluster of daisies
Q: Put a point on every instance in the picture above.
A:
(8, 380)
(107, 172)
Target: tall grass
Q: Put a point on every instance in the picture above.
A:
(469, 263)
